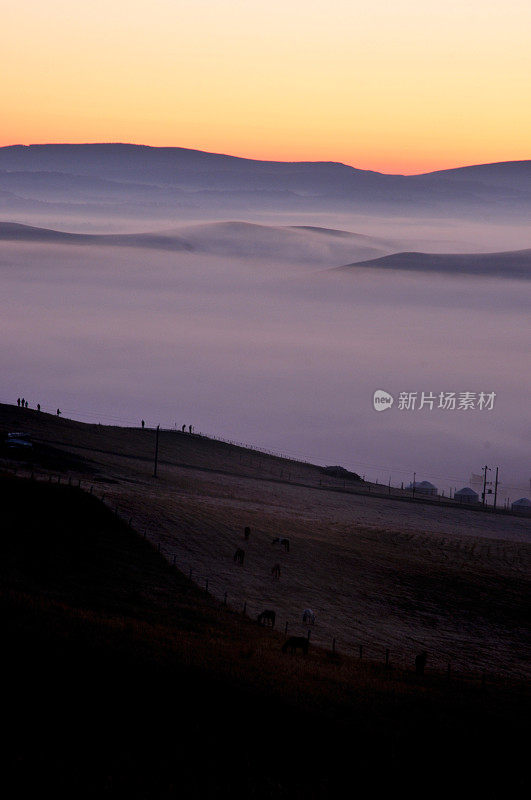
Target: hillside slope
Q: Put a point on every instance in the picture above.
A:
(378, 570)
(132, 682)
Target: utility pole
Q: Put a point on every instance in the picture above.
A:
(156, 452)
(414, 482)
(495, 488)
(485, 468)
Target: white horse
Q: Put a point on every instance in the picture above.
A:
(308, 616)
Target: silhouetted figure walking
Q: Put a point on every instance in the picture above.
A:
(143, 424)
(420, 662)
(58, 412)
(246, 533)
(189, 428)
(38, 406)
(275, 572)
(239, 555)
(183, 429)
(22, 402)
(26, 403)
(18, 402)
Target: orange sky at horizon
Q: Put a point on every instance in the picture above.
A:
(400, 86)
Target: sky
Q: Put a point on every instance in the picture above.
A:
(393, 85)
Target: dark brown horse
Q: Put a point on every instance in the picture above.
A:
(283, 542)
(239, 555)
(295, 643)
(267, 617)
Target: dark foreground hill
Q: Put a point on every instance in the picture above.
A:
(125, 679)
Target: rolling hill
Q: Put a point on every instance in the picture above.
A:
(233, 239)
(513, 264)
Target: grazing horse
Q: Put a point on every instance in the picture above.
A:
(283, 542)
(239, 555)
(308, 616)
(295, 643)
(275, 572)
(420, 662)
(246, 533)
(267, 617)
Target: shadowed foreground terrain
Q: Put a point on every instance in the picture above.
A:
(128, 680)
(378, 571)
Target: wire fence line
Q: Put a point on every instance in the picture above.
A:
(334, 646)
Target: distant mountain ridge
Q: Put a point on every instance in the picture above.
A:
(138, 181)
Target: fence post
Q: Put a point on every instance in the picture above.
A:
(245, 608)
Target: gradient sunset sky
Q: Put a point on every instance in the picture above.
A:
(397, 86)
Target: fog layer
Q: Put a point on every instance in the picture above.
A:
(273, 353)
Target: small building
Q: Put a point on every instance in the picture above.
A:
(423, 487)
(466, 495)
(523, 506)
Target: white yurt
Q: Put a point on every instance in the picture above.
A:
(423, 487)
(466, 495)
(523, 506)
